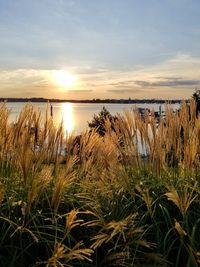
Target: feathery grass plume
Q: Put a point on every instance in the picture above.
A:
(71, 146)
(88, 152)
(39, 183)
(63, 180)
(180, 230)
(58, 146)
(108, 154)
(25, 158)
(72, 221)
(25, 133)
(110, 230)
(184, 199)
(189, 135)
(144, 192)
(168, 142)
(4, 132)
(127, 130)
(64, 256)
(124, 240)
(187, 244)
(89, 142)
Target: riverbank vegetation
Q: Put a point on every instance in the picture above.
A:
(129, 197)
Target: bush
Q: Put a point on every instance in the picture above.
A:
(98, 122)
(196, 97)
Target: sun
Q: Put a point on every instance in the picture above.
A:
(64, 78)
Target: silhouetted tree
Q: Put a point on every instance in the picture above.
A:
(98, 121)
(196, 97)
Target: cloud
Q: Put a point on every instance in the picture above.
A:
(123, 91)
(169, 78)
(24, 77)
(143, 83)
(122, 83)
(159, 80)
(80, 91)
(169, 83)
(178, 83)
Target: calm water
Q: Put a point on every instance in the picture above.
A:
(76, 115)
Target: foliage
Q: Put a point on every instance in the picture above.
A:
(98, 121)
(102, 204)
(196, 97)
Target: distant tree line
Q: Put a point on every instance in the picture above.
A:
(96, 100)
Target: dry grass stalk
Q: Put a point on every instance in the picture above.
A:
(63, 180)
(72, 220)
(39, 183)
(63, 255)
(174, 141)
(182, 200)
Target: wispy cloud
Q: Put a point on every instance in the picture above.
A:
(169, 83)
(122, 83)
(124, 91)
(80, 91)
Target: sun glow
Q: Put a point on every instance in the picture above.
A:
(64, 78)
(67, 117)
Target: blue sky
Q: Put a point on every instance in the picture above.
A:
(114, 48)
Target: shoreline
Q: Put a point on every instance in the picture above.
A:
(95, 101)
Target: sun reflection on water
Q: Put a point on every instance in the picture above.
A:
(67, 117)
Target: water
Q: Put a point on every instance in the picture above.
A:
(75, 116)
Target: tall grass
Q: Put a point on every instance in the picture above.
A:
(128, 198)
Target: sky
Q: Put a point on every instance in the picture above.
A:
(86, 49)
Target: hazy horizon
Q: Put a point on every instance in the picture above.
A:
(82, 49)
(94, 99)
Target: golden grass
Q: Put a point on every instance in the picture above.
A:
(112, 187)
(175, 139)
